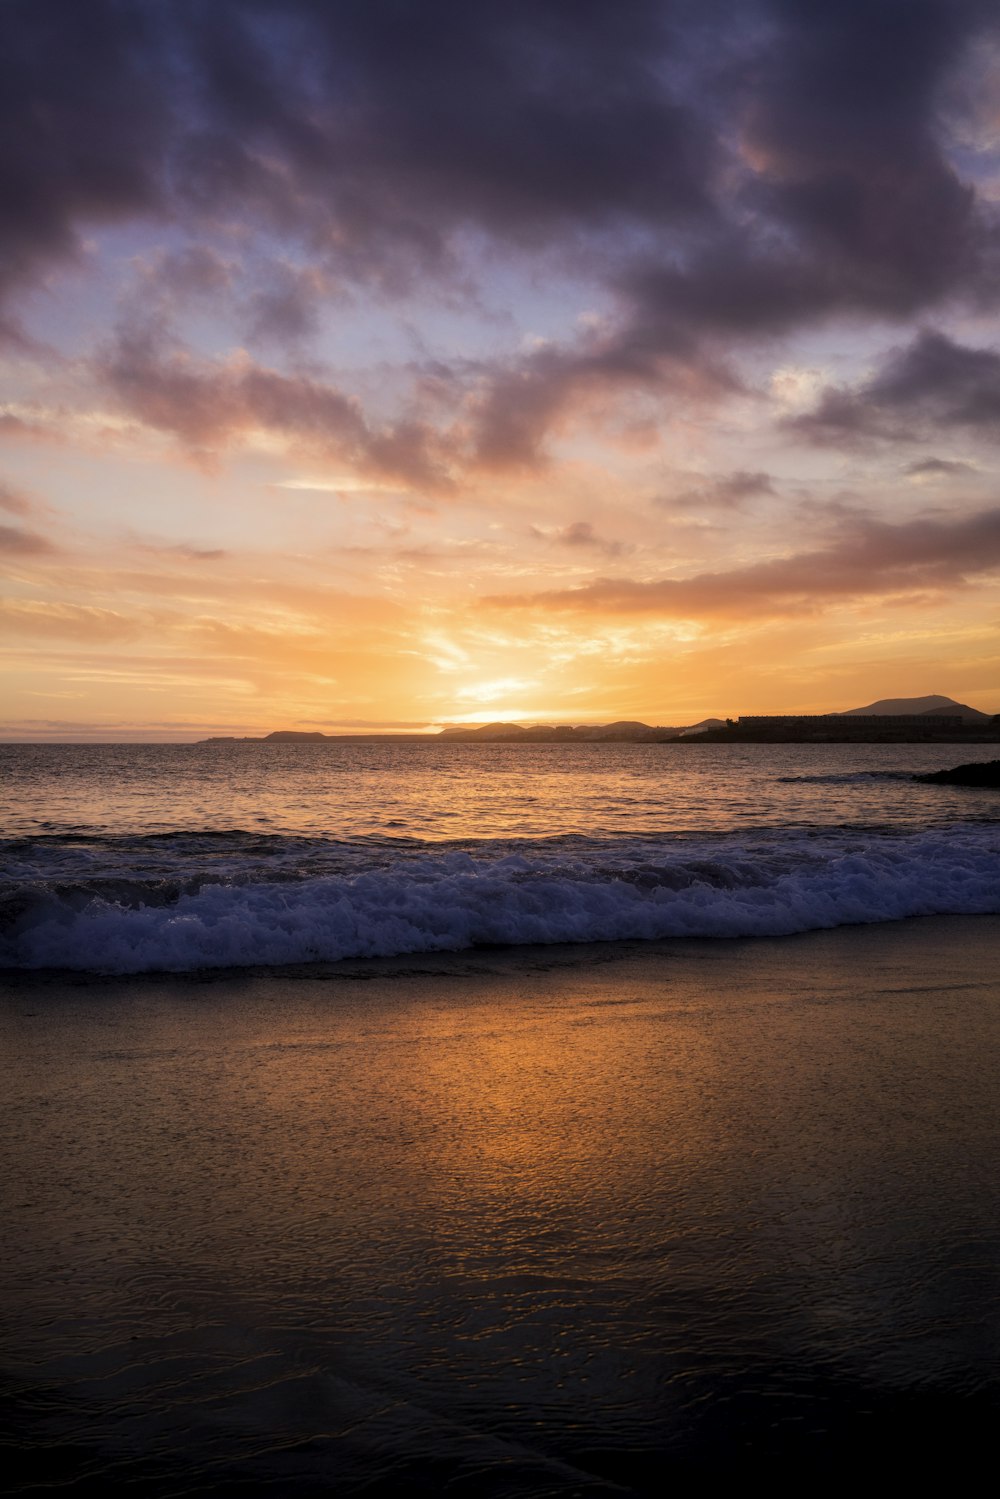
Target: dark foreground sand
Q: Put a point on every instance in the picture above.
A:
(575, 1221)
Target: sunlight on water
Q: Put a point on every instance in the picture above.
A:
(433, 791)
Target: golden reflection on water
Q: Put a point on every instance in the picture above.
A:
(431, 790)
(491, 1116)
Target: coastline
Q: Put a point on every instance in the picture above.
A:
(546, 1220)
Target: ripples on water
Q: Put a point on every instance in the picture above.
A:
(434, 791)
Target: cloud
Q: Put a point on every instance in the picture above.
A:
(339, 484)
(519, 120)
(210, 405)
(517, 404)
(499, 419)
(195, 270)
(725, 491)
(844, 203)
(758, 164)
(371, 135)
(13, 425)
(717, 173)
(70, 77)
(23, 543)
(118, 728)
(873, 558)
(582, 534)
(287, 306)
(931, 384)
(844, 135)
(185, 550)
(938, 468)
(14, 502)
(579, 533)
(417, 725)
(79, 622)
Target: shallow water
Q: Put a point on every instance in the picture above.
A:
(531, 1223)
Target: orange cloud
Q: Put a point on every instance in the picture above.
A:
(876, 559)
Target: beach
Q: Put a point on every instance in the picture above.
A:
(545, 1220)
(499, 797)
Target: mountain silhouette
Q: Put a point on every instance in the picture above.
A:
(931, 705)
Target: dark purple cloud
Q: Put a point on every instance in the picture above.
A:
(287, 306)
(872, 558)
(372, 131)
(768, 162)
(932, 384)
(194, 271)
(84, 124)
(723, 171)
(938, 468)
(413, 117)
(845, 123)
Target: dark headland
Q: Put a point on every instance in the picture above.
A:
(888, 721)
(980, 773)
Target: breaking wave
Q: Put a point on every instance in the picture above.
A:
(306, 902)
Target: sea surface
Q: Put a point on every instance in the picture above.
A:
(392, 1119)
(145, 858)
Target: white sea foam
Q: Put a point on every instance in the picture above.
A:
(453, 901)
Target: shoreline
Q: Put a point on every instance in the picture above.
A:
(489, 960)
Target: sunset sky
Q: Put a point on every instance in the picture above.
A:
(394, 363)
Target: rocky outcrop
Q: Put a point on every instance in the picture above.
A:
(981, 773)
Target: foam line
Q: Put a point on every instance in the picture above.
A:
(453, 901)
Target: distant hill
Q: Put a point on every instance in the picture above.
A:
(934, 704)
(705, 725)
(629, 730)
(293, 736)
(490, 730)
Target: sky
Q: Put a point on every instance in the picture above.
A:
(384, 364)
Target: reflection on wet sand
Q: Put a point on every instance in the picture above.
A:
(552, 1223)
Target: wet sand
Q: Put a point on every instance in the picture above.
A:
(552, 1221)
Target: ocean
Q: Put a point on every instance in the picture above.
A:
(495, 1121)
(141, 858)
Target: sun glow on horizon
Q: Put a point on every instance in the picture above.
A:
(387, 428)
